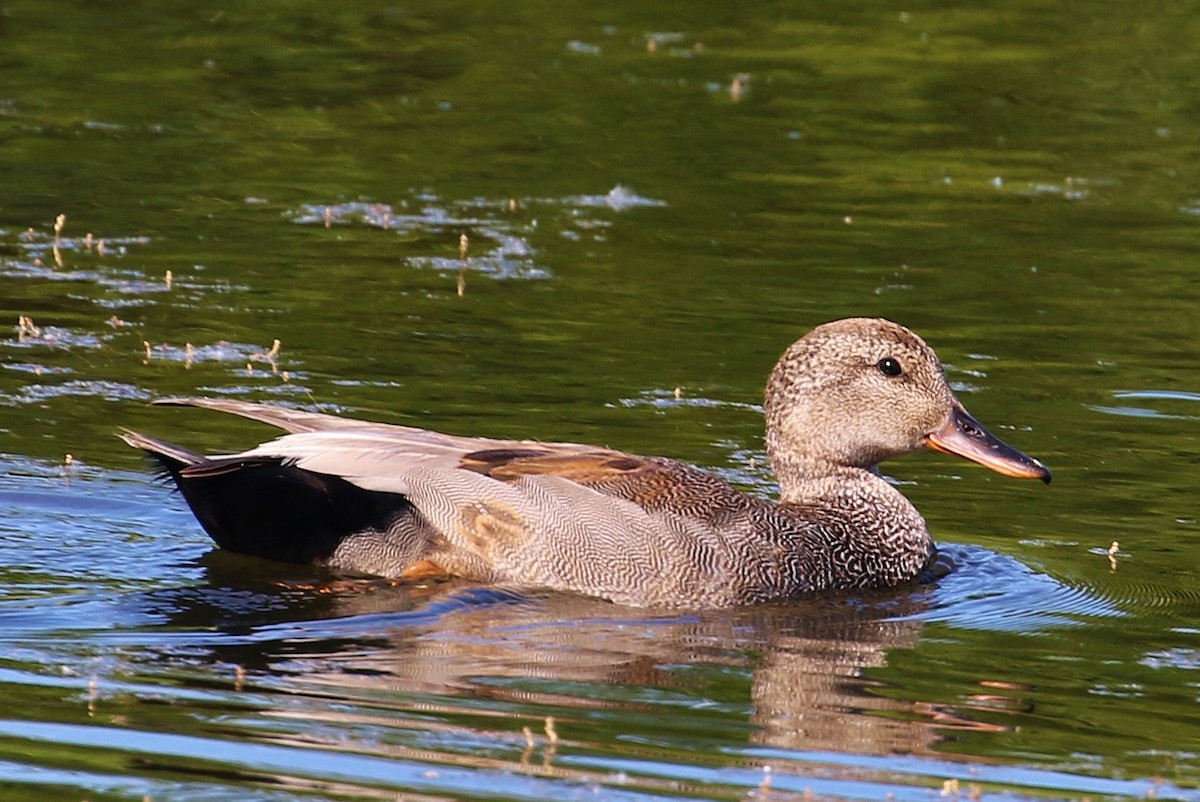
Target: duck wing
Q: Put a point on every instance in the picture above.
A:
(645, 531)
(299, 421)
(360, 450)
(638, 530)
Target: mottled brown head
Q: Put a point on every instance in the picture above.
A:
(856, 392)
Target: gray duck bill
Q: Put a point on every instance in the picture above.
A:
(965, 437)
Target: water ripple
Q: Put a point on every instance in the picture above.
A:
(980, 589)
(1149, 411)
(107, 390)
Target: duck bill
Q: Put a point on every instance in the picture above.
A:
(965, 437)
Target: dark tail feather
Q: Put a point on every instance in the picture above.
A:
(168, 458)
(260, 506)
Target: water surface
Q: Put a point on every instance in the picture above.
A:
(655, 203)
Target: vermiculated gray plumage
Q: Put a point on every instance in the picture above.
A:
(395, 501)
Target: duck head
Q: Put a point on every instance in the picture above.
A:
(856, 392)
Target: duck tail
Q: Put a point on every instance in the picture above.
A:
(267, 508)
(168, 458)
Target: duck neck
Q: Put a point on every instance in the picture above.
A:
(800, 474)
(874, 526)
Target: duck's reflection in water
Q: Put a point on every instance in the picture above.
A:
(810, 675)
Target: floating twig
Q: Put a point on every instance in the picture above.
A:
(765, 785)
(464, 247)
(268, 356)
(26, 329)
(739, 86)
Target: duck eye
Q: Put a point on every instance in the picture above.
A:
(889, 366)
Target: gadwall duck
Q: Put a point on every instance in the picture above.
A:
(395, 501)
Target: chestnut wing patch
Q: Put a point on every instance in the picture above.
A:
(655, 484)
(585, 467)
